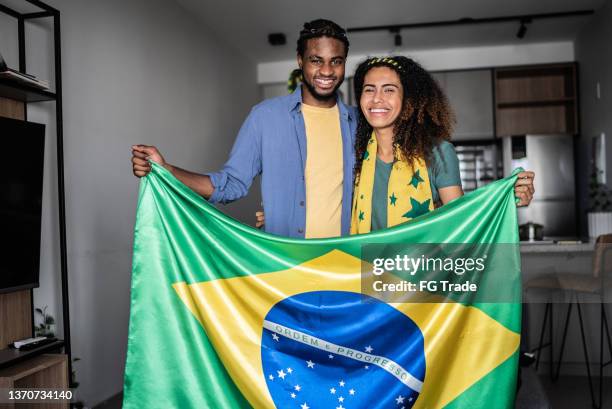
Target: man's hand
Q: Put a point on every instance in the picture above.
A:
(523, 188)
(260, 219)
(141, 154)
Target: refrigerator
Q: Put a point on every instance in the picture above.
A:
(551, 157)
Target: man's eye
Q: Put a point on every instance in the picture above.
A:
(315, 62)
(368, 90)
(337, 62)
(389, 90)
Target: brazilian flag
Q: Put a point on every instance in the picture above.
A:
(226, 316)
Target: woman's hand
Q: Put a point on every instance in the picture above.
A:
(523, 188)
(259, 219)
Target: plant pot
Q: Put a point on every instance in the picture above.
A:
(599, 223)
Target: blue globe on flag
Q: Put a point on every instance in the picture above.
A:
(341, 350)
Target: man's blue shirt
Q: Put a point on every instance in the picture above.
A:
(272, 142)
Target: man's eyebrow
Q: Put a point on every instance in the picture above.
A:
(332, 58)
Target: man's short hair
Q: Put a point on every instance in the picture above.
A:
(321, 28)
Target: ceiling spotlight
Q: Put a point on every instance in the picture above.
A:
(397, 38)
(277, 39)
(523, 28)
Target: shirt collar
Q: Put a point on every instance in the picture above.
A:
(296, 102)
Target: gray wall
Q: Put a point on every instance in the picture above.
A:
(134, 72)
(595, 65)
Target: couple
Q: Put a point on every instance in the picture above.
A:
(308, 146)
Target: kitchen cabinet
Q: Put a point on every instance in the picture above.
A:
(536, 99)
(470, 95)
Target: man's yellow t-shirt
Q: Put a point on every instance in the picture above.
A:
(324, 171)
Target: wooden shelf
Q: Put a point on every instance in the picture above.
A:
(11, 356)
(24, 93)
(44, 371)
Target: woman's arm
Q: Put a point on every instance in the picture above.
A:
(449, 193)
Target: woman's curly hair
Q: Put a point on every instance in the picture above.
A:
(426, 118)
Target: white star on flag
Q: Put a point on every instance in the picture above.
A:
(293, 395)
(352, 391)
(310, 364)
(281, 374)
(332, 391)
(275, 337)
(330, 356)
(289, 370)
(340, 407)
(369, 349)
(399, 399)
(341, 383)
(298, 388)
(367, 367)
(410, 400)
(341, 399)
(271, 377)
(305, 406)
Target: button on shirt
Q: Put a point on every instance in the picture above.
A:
(272, 142)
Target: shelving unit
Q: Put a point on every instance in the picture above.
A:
(42, 371)
(539, 99)
(30, 368)
(24, 93)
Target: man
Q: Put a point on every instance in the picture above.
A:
(301, 144)
(274, 141)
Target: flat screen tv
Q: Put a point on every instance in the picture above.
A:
(21, 188)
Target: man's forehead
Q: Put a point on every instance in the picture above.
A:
(325, 47)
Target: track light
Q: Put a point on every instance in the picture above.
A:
(523, 28)
(277, 39)
(397, 38)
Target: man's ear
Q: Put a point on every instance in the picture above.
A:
(300, 61)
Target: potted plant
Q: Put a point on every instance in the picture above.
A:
(600, 206)
(45, 328)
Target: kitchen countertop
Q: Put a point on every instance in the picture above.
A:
(557, 245)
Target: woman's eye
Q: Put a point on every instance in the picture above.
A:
(389, 90)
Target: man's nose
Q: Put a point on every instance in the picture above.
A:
(326, 70)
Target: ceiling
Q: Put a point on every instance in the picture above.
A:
(245, 24)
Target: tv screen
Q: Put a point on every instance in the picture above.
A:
(21, 187)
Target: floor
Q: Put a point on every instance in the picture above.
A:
(572, 392)
(112, 403)
(569, 392)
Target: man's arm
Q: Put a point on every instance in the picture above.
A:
(141, 154)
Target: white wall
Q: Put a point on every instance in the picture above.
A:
(595, 65)
(134, 72)
(446, 59)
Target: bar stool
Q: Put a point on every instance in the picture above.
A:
(574, 284)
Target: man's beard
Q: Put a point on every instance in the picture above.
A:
(319, 97)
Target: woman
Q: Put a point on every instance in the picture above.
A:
(405, 164)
